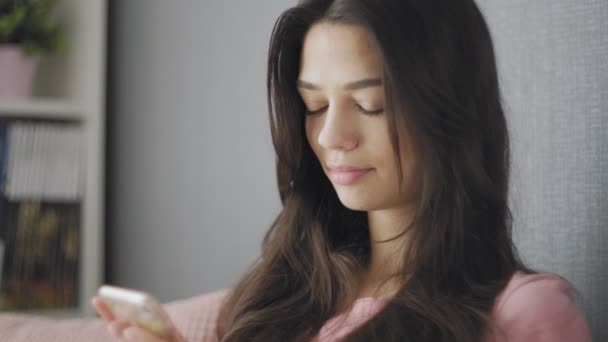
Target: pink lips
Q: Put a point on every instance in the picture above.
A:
(346, 175)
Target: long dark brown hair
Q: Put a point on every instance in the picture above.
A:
(439, 79)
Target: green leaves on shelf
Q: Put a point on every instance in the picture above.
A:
(31, 24)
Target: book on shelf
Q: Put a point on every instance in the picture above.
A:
(40, 208)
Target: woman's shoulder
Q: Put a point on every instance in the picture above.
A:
(535, 287)
(539, 307)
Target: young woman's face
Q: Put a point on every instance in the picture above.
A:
(340, 84)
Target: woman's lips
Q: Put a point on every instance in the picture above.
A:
(346, 175)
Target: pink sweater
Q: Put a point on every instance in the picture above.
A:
(532, 308)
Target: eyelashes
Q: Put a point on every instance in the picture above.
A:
(359, 108)
(313, 112)
(370, 112)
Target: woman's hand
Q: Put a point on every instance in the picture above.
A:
(128, 331)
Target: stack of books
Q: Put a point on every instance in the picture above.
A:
(40, 208)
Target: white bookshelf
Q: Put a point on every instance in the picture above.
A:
(71, 87)
(41, 108)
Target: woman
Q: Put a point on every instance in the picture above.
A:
(393, 167)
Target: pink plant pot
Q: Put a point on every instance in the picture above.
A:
(17, 71)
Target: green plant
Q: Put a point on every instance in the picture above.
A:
(30, 23)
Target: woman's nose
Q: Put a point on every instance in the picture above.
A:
(338, 131)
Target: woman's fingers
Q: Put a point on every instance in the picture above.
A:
(101, 308)
(130, 332)
(117, 329)
(126, 330)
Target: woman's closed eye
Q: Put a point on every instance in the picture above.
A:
(371, 111)
(359, 108)
(316, 111)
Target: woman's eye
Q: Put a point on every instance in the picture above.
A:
(370, 112)
(359, 108)
(317, 111)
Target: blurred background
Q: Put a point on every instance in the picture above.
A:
(135, 149)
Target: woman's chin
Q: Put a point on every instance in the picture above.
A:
(358, 203)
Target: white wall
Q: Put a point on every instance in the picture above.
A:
(191, 167)
(554, 76)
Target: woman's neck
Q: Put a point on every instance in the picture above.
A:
(371, 286)
(386, 258)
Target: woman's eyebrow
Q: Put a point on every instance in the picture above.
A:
(364, 83)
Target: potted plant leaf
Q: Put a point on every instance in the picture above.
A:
(27, 30)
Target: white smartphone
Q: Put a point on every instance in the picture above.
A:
(138, 308)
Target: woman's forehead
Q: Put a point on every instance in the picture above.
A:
(337, 53)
